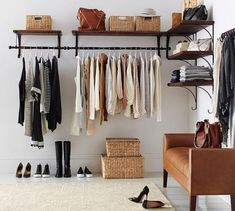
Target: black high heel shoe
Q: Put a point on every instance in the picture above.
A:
(19, 170)
(27, 171)
(144, 192)
(152, 204)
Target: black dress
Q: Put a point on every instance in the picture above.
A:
(55, 115)
(22, 95)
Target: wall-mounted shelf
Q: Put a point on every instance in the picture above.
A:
(117, 33)
(20, 33)
(189, 27)
(191, 83)
(190, 55)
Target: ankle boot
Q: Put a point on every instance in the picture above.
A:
(58, 151)
(67, 150)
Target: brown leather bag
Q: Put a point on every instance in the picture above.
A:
(208, 135)
(91, 19)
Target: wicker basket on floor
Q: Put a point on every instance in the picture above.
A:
(38, 22)
(122, 167)
(122, 147)
(121, 23)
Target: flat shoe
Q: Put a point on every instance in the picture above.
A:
(152, 204)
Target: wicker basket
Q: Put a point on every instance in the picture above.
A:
(121, 23)
(122, 167)
(122, 147)
(38, 22)
(148, 23)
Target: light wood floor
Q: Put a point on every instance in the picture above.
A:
(176, 195)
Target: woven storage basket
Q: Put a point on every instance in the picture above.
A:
(122, 167)
(148, 23)
(121, 23)
(122, 147)
(38, 22)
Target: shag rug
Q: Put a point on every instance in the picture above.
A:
(107, 195)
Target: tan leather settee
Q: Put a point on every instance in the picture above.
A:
(199, 171)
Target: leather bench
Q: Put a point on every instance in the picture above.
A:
(199, 171)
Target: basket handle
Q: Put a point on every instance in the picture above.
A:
(37, 18)
(122, 18)
(148, 18)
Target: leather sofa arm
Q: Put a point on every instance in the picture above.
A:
(171, 140)
(212, 171)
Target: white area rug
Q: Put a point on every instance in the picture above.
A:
(107, 195)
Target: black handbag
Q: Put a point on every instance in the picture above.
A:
(198, 13)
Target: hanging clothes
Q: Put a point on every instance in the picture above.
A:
(119, 87)
(142, 86)
(157, 92)
(47, 85)
(22, 95)
(29, 100)
(37, 137)
(136, 103)
(79, 118)
(90, 122)
(115, 85)
(103, 110)
(55, 115)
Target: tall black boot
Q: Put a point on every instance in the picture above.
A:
(67, 150)
(58, 151)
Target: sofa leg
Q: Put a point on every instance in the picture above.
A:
(232, 202)
(193, 201)
(165, 176)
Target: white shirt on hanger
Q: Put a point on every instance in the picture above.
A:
(97, 85)
(92, 89)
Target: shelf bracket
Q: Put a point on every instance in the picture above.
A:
(158, 45)
(195, 96)
(76, 45)
(167, 46)
(19, 44)
(59, 44)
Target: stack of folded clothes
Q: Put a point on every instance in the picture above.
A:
(191, 73)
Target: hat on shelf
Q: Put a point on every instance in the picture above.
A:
(148, 12)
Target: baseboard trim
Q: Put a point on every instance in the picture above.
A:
(153, 162)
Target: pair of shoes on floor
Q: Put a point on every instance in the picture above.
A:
(45, 174)
(146, 203)
(27, 171)
(86, 173)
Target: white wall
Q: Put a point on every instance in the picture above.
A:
(15, 147)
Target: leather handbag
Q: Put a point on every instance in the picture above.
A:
(208, 135)
(198, 13)
(91, 19)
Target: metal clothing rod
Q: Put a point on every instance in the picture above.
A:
(116, 48)
(36, 47)
(87, 48)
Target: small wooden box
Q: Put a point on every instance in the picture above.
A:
(122, 167)
(176, 18)
(38, 22)
(121, 23)
(122, 147)
(148, 23)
